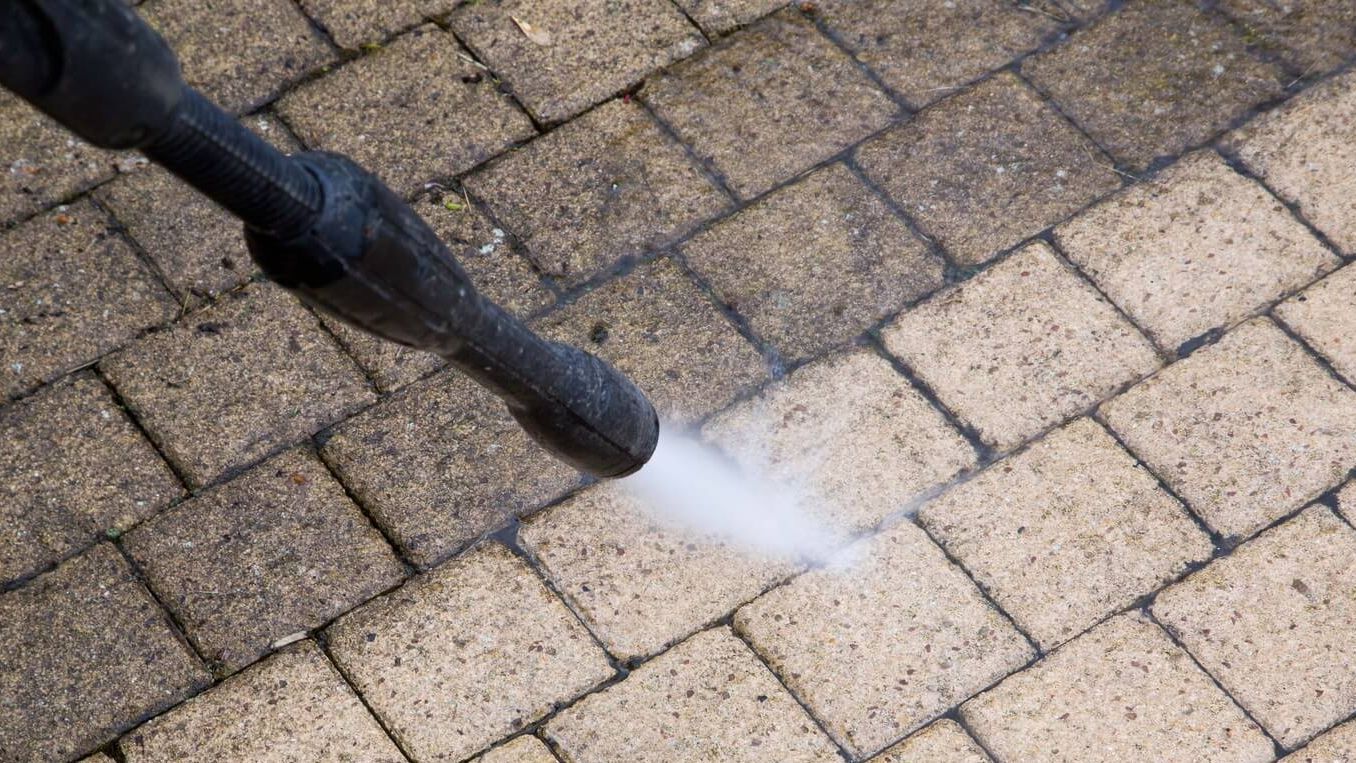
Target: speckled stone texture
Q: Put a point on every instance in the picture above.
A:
(197, 246)
(1197, 248)
(523, 749)
(988, 168)
(1346, 501)
(769, 103)
(291, 707)
(1324, 316)
(1118, 692)
(851, 434)
(943, 741)
(236, 381)
(666, 336)
(240, 53)
(442, 463)
(593, 48)
(413, 112)
(269, 554)
(638, 583)
(87, 655)
(1154, 78)
(1312, 35)
(1336, 746)
(1305, 151)
(71, 289)
(72, 467)
(607, 185)
(1021, 347)
(708, 698)
(357, 24)
(1246, 431)
(928, 50)
(1067, 532)
(814, 264)
(722, 16)
(43, 163)
(878, 647)
(1272, 621)
(466, 654)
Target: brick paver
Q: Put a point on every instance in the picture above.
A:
(1322, 315)
(722, 16)
(1336, 745)
(944, 740)
(523, 749)
(43, 163)
(358, 24)
(1313, 35)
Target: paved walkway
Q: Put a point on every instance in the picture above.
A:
(1046, 302)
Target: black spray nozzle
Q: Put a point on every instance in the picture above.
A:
(319, 225)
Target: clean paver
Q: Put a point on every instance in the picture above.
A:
(1305, 151)
(416, 111)
(1066, 532)
(944, 740)
(1271, 623)
(291, 707)
(271, 553)
(722, 16)
(1346, 501)
(769, 102)
(72, 467)
(880, 646)
(604, 186)
(234, 382)
(851, 434)
(668, 337)
(580, 52)
(71, 289)
(1154, 78)
(523, 749)
(814, 264)
(1313, 35)
(1122, 691)
(362, 24)
(87, 655)
(240, 53)
(928, 50)
(639, 584)
(1325, 316)
(1196, 248)
(467, 654)
(1336, 746)
(43, 163)
(1245, 431)
(985, 170)
(708, 698)
(1020, 347)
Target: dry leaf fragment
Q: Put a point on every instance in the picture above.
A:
(539, 36)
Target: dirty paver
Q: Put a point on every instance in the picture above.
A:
(709, 698)
(944, 740)
(467, 654)
(88, 654)
(1322, 315)
(363, 24)
(1312, 35)
(43, 163)
(292, 706)
(1118, 692)
(717, 17)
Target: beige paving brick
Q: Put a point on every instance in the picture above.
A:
(293, 706)
(198, 247)
(708, 698)
(1306, 151)
(1067, 532)
(240, 53)
(722, 16)
(1271, 623)
(601, 187)
(357, 24)
(496, 266)
(1154, 78)
(466, 654)
(1022, 346)
(988, 168)
(235, 381)
(71, 289)
(1323, 316)
(1198, 247)
(1313, 35)
(813, 265)
(271, 553)
(1336, 746)
(524, 749)
(928, 50)
(769, 102)
(441, 463)
(944, 740)
(851, 433)
(1245, 431)
(72, 467)
(87, 655)
(658, 329)
(879, 647)
(43, 163)
(1346, 501)
(1119, 692)
(593, 48)
(412, 112)
(639, 584)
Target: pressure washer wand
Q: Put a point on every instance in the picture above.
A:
(319, 225)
